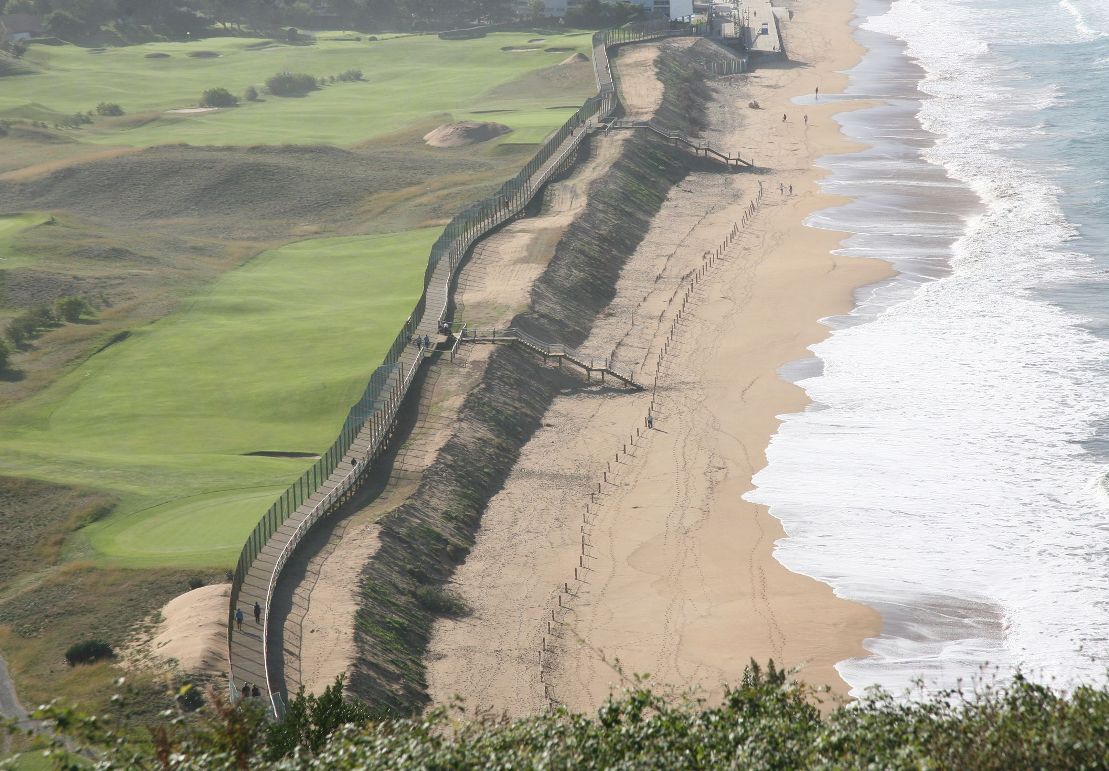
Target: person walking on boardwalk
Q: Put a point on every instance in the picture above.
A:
(257, 613)
(427, 342)
(239, 618)
(254, 692)
(245, 692)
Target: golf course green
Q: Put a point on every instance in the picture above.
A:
(269, 358)
(406, 80)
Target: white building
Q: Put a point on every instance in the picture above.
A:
(553, 8)
(675, 9)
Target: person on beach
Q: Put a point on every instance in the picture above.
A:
(817, 92)
(257, 613)
(806, 119)
(239, 618)
(650, 421)
(783, 117)
(791, 189)
(781, 189)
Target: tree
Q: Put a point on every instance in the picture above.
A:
(64, 25)
(537, 9)
(311, 720)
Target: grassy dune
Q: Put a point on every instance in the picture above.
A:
(269, 358)
(406, 79)
(10, 227)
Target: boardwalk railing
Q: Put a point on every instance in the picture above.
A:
(548, 351)
(698, 146)
(369, 423)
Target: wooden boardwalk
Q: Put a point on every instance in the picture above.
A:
(250, 652)
(700, 147)
(559, 353)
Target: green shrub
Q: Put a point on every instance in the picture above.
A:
(29, 325)
(109, 109)
(5, 355)
(290, 84)
(88, 652)
(442, 601)
(251, 94)
(218, 97)
(195, 582)
(71, 309)
(350, 75)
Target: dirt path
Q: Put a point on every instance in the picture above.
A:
(679, 578)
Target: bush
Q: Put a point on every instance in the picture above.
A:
(27, 326)
(64, 25)
(71, 309)
(218, 97)
(251, 94)
(290, 84)
(189, 697)
(5, 355)
(109, 108)
(88, 652)
(196, 582)
(441, 601)
(349, 76)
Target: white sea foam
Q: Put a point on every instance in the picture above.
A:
(1081, 22)
(942, 478)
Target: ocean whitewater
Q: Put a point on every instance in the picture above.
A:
(951, 472)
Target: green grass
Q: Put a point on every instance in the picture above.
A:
(270, 357)
(10, 227)
(406, 80)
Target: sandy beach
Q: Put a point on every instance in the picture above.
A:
(679, 578)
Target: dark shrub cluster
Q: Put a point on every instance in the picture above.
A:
(88, 652)
(290, 84)
(218, 97)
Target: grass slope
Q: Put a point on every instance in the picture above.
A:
(406, 79)
(269, 358)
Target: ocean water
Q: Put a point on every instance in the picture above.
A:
(952, 471)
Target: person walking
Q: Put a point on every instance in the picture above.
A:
(781, 189)
(650, 421)
(257, 613)
(255, 692)
(806, 119)
(818, 92)
(783, 117)
(427, 342)
(239, 618)
(244, 693)
(791, 189)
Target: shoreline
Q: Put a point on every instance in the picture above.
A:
(685, 584)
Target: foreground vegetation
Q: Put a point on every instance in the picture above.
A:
(766, 721)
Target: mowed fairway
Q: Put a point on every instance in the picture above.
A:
(407, 80)
(269, 358)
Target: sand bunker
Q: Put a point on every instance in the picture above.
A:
(574, 59)
(193, 631)
(464, 133)
(156, 55)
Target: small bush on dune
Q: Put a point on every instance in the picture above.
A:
(349, 76)
(88, 652)
(195, 582)
(5, 355)
(71, 309)
(218, 97)
(251, 94)
(109, 109)
(442, 601)
(290, 84)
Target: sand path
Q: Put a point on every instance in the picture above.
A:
(680, 579)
